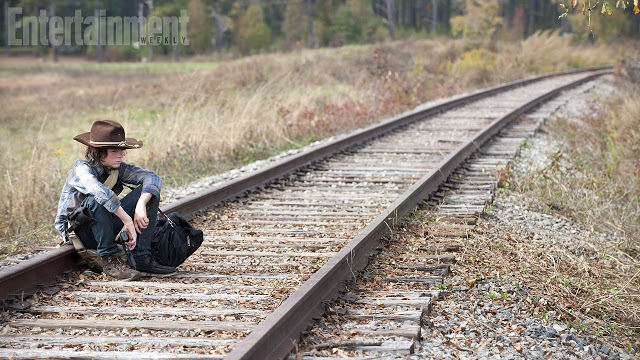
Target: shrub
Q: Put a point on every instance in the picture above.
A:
(474, 66)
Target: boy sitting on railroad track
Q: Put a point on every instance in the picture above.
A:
(90, 207)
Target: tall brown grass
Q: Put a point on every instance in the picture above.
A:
(595, 177)
(197, 122)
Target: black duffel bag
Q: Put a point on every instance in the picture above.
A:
(174, 240)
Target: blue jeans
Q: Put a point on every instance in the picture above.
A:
(101, 234)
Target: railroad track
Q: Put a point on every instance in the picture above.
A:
(384, 312)
(278, 243)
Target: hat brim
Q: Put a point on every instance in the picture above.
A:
(129, 143)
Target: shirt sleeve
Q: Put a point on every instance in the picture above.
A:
(86, 182)
(131, 174)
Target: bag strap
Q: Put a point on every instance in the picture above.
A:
(111, 181)
(171, 223)
(77, 244)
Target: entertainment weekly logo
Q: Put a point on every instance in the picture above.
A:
(81, 30)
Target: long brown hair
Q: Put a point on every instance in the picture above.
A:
(95, 154)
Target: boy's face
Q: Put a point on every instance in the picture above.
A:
(113, 158)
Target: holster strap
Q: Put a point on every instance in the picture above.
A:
(77, 244)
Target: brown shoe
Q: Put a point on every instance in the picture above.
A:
(113, 266)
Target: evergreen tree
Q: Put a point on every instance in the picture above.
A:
(200, 26)
(355, 22)
(294, 27)
(252, 33)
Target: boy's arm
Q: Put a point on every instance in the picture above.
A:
(131, 174)
(87, 183)
(128, 226)
(150, 183)
(140, 219)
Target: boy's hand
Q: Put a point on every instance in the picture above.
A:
(129, 227)
(131, 232)
(140, 219)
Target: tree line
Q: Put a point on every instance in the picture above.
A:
(252, 26)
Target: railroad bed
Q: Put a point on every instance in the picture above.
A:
(262, 252)
(383, 314)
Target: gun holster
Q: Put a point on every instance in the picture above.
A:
(79, 217)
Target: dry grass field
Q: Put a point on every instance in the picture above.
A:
(202, 117)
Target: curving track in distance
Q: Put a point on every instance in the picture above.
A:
(278, 243)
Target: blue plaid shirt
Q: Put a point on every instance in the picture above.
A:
(85, 178)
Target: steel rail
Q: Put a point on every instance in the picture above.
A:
(275, 336)
(42, 269)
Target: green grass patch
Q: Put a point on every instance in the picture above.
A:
(118, 68)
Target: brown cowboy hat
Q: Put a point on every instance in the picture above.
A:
(107, 133)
